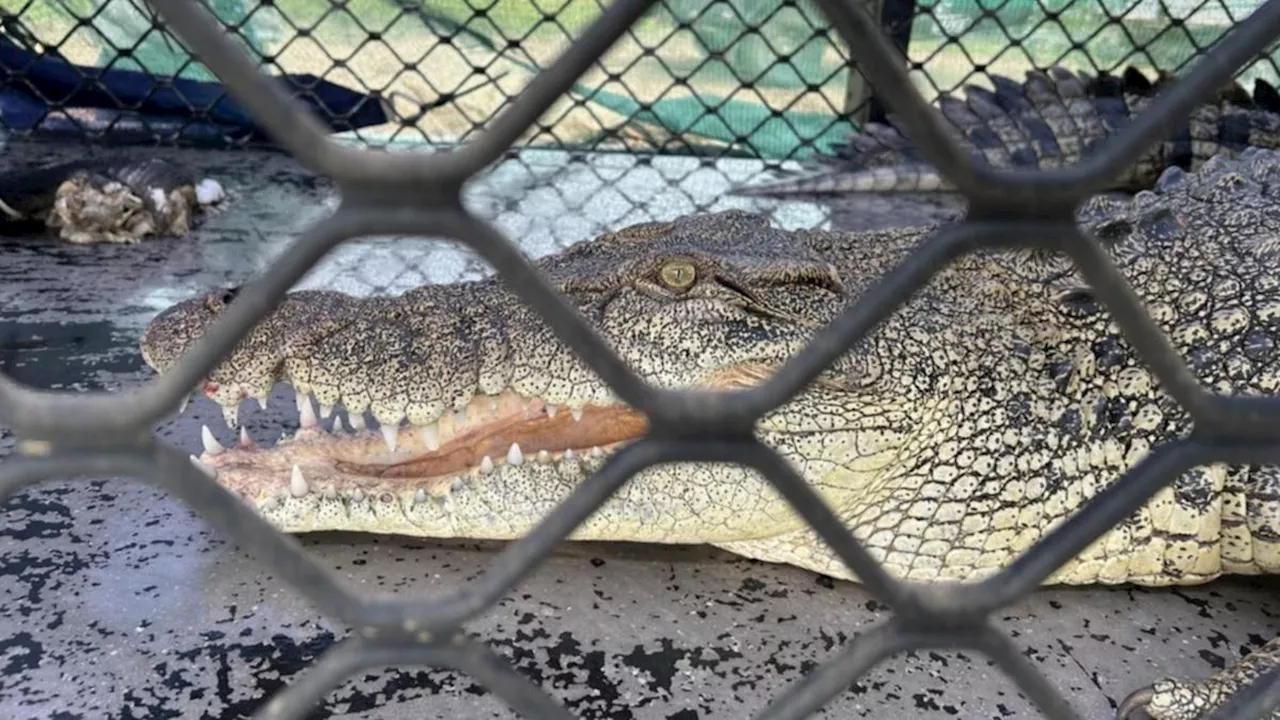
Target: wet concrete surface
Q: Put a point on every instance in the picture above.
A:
(118, 601)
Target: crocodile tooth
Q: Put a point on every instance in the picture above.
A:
(245, 440)
(486, 465)
(551, 410)
(595, 452)
(329, 494)
(306, 415)
(420, 496)
(390, 433)
(577, 414)
(569, 456)
(357, 496)
(325, 411)
(357, 421)
(432, 437)
(204, 468)
(182, 407)
(458, 483)
(514, 456)
(211, 444)
(543, 457)
(297, 483)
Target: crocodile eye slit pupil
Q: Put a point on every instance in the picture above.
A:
(678, 274)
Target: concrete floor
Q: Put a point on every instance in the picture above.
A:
(117, 601)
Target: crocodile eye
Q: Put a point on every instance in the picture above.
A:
(678, 274)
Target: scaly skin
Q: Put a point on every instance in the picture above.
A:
(1051, 120)
(952, 438)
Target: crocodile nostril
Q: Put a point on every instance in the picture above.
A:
(219, 299)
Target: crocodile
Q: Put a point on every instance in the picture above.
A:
(963, 428)
(1053, 119)
(113, 199)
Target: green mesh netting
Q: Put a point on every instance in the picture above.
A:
(1009, 37)
(745, 77)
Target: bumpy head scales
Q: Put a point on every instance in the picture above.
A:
(468, 388)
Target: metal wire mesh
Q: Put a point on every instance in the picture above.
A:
(733, 77)
(955, 41)
(67, 434)
(715, 77)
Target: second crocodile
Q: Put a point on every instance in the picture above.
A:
(1051, 120)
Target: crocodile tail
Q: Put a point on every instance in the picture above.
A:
(1233, 121)
(906, 178)
(1004, 128)
(1229, 122)
(1054, 118)
(877, 144)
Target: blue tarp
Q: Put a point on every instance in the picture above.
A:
(191, 112)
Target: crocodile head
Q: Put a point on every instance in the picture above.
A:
(486, 420)
(971, 421)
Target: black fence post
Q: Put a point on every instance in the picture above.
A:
(895, 19)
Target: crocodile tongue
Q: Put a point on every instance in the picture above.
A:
(513, 436)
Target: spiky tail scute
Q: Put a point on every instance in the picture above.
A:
(1053, 119)
(899, 178)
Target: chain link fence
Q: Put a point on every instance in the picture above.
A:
(717, 78)
(65, 434)
(757, 79)
(953, 42)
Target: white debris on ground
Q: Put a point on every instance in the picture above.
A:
(210, 192)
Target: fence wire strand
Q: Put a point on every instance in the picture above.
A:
(66, 434)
